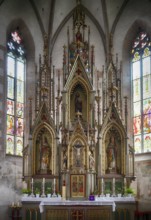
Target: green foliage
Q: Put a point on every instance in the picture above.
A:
(25, 191)
(129, 190)
(37, 190)
(48, 190)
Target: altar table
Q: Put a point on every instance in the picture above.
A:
(103, 208)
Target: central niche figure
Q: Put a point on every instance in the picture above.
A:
(77, 154)
(78, 103)
(45, 154)
(111, 154)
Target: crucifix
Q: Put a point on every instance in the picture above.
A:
(77, 214)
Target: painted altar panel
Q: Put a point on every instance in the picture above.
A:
(77, 186)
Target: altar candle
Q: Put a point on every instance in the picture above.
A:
(54, 181)
(113, 180)
(43, 180)
(32, 180)
(102, 180)
(124, 181)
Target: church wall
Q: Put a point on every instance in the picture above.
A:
(143, 181)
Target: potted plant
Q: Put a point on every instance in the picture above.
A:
(37, 192)
(118, 191)
(48, 192)
(25, 192)
(129, 191)
(108, 192)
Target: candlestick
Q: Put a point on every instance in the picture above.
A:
(43, 188)
(113, 187)
(102, 187)
(54, 188)
(32, 188)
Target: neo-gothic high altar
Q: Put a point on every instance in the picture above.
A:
(79, 132)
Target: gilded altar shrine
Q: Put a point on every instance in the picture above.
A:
(78, 134)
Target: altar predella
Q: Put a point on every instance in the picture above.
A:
(78, 135)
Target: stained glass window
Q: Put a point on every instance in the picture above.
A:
(15, 94)
(141, 77)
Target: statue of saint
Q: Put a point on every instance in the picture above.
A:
(78, 103)
(111, 154)
(45, 156)
(91, 161)
(65, 161)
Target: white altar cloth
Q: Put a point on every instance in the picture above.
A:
(59, 201)
(74, 203)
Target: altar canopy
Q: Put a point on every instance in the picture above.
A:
(78, 134)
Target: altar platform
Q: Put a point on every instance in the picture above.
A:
(103, 208)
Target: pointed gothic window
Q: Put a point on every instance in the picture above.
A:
(141, 80)
(15, 94)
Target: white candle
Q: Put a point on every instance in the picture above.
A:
(113, 180)
(102, 180)
(54, 181)
(32, 180)
(43, 180)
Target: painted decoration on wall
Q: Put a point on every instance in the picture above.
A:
(20, 70)
(137, 144)
(19, 146)
(10, 124)
(20, 109)
(147, 123)
(146, 66)
(10, 66)
(10, 107)
(137, 125)
(146, 86)
(9, 144)
(137, 109)
(10, 87)
(77, 185)
(136, 70)
(19, 127)
(20, 91)
(147, 142)
(136, 90)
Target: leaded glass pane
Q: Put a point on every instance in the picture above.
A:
(10, 66)
(147, 106)
(19, 146)
(10, 107)
(146, 66)
(20, 109)
(136, 90)
(137, 125)
(146, 52)
(10, 87)
(137, 144)
(147, 142)
(136, 70)
(136, 57)
(20, 91)
(10, 124)
(147, 86)
(137, 109)
(19, 127)
(147, 123)
(20, 70)
(9, 144)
